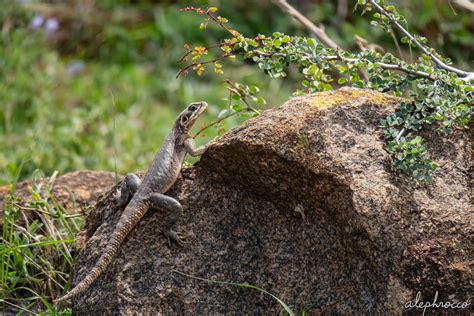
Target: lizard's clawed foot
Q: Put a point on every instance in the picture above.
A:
(177, 237)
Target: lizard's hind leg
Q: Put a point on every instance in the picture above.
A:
(164, 202)
(129, 187)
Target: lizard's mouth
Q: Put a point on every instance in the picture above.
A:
(201, 107)
(194, 110)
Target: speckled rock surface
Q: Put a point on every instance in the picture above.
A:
(301, 202)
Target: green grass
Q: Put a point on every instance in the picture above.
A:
(282, 304)
(36, 251)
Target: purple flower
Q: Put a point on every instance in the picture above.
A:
(23, 2)
(51, 26)
(74, 68)
(36, 22)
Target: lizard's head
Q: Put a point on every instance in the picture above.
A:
(188, 117)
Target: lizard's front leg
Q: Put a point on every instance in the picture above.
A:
(164, 202)
(191, 148)
(129, 187)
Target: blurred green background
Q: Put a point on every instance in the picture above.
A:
(90, 84)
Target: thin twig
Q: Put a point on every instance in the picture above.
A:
(189, 51)
(341, 9)
(400, 68)
(214, 123)
(249, 107)
(465, 4)
(395, 41)
(318, 32)
(233, 89)
(185, 69)
(435, 59)
(397, 139)
(210, 14)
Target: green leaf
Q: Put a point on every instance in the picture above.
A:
(237, 107)
(341, 68)
(341, 80)
(254, 89)
(253, 43)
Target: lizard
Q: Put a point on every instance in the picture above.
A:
(150, 193)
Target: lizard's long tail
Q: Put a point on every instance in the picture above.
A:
(111, 249)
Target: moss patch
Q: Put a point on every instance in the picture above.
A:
(327, 99)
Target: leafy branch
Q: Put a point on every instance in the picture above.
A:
(199, 51)
(237, 92)
(390, 13)
(441, 94)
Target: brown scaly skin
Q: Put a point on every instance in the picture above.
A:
(161, 175)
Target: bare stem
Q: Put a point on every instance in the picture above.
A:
(318, 32)
(214, 123)
(183, 70)
(189, 51)
(395, 41)
(397, 139)
(233, 89)
(465, 4)
(210, 14)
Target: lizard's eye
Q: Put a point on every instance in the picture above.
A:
(193, 107)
